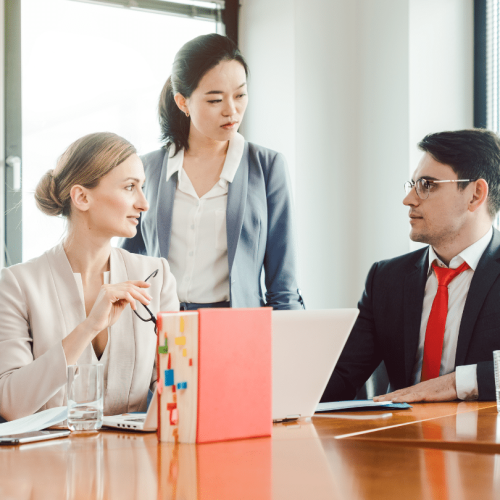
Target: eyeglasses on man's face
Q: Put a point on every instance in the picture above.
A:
(152, 316)
(423, 186)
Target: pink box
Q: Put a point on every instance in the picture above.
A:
(214, 375)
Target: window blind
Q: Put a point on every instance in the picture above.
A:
(196, 9)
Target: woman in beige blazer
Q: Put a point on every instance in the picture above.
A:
(71, 304)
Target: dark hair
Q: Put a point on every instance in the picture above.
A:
(194, 59)
(472, 154)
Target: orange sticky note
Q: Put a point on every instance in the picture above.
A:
(184, 352)
(180, 340)
(181, 327)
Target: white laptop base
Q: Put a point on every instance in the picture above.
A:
(142, 422)
(306, 348)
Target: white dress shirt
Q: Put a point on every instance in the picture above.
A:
(466, 376)
(198, 243)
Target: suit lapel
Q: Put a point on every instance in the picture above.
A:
(487, 271)
(165, 207)
(73, 310)
(122, 346)
(414, 289)
(236, 202)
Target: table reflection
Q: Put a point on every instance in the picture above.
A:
(114, 465)
(293, 464)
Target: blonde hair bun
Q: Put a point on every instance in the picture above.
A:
(47, 196)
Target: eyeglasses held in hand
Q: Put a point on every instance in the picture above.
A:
(152, 316)
(423, 186)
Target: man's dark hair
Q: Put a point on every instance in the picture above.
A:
(472, 154)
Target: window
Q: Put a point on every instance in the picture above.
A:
(487, 67)
(88, 67)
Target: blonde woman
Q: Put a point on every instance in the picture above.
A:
(74, 303)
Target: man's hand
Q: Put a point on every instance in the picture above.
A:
(437, 389)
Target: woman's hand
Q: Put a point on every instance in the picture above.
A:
(112, 300)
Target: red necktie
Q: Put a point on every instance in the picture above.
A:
(434, 334)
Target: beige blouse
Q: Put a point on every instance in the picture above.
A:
(104, 359)
(40, 304)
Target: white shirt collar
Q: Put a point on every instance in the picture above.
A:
(231, 164)
(471, 254)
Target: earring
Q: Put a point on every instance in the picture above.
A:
(187, 114)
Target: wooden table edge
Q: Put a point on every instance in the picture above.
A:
(368, 431)
(463, 446)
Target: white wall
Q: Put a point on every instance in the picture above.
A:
(345, 89)
(270, 118)
(441, 70)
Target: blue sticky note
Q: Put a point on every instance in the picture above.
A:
(182, 385)
(169, 378)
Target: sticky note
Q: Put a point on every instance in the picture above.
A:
(190, 361)
(174, 416)
(184, 352)
(180, 340)
(159, 388)
(181, 326)
(162, 349)
(182, 385)
(171, 406)
(169, 378)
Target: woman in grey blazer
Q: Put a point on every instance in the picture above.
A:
(70, 305)
(221, 208)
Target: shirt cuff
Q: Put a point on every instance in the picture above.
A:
(466, 381)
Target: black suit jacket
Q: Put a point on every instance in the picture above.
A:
(388, 325)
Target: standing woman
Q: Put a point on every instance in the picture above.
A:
(221, 208)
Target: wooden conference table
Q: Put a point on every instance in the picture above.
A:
(435, 451)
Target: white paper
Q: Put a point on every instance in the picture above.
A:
(349, 405)
(35, 422)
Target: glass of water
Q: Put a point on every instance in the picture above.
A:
(85, 397)
(496, 362)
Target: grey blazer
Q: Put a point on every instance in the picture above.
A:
(260, 236)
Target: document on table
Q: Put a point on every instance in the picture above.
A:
(365, 404)
(35, 422)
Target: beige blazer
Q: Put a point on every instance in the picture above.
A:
(40, 304)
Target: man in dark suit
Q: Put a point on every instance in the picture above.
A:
(433, 315)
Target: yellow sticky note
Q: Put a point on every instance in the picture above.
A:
(182, 325)
(180, 340)
(184, 352)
